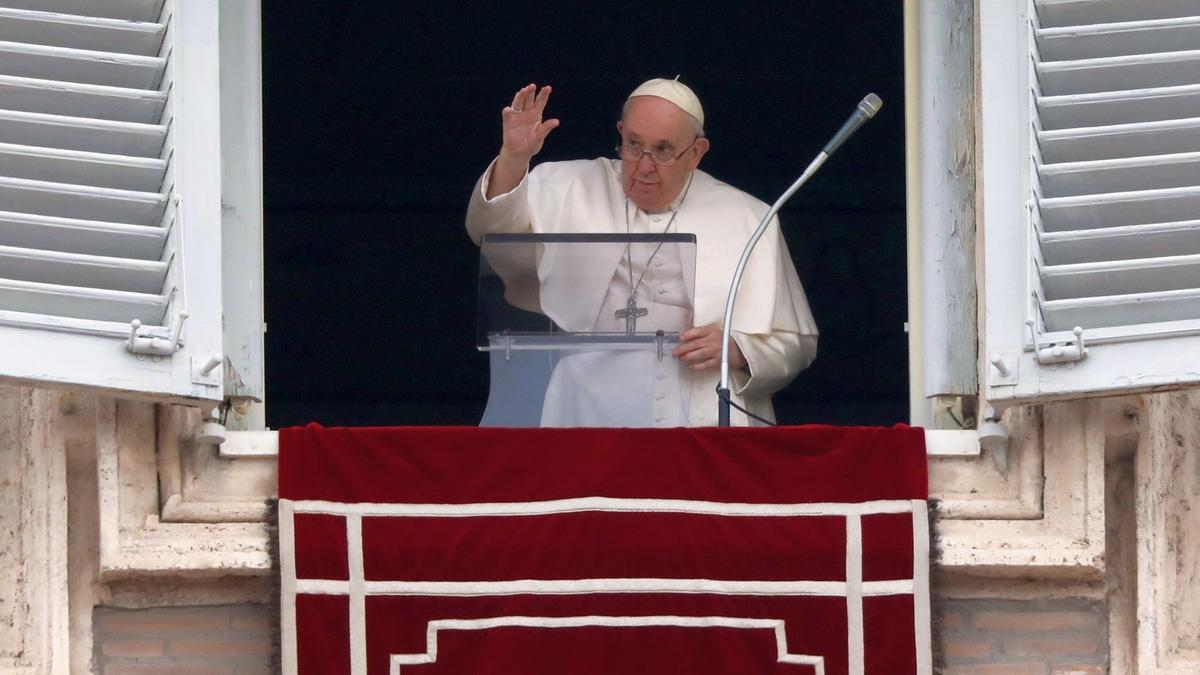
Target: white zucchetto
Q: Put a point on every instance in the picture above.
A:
(674, 91)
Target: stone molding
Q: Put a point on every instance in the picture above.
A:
(199, 484)
(1168, 535)
(1066, 537)
(135, 539)
(974, 487)
(34, 610)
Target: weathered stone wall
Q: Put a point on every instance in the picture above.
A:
(231, 639)
(110, 505)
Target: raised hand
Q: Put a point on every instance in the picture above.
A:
(524, 128)
(524, 133)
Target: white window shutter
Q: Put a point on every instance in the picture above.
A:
(110, 196)
(1090, 138)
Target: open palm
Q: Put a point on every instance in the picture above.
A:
(524, 129)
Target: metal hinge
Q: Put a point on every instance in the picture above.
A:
(1058, 352)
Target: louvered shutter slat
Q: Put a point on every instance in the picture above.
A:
(1088, 76)
(80, 32)
(1136, 37)
(1139, 139)
(81, 66)
(89, 237)
(92, 304)
(81, 100)
(1115, 175)
(130, 10)
(81, 201)
(87, 271)
(82, 133)
(82, 168)
(1076, 111)
(1055, 13)
(1117, 151)
(1164, 307)
(1120, 208)
(1120, 277)
(1119, 243)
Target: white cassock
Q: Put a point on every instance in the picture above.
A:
(772, 323)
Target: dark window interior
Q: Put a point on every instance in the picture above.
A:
(379, 117)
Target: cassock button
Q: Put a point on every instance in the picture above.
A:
(658, 419)
(660, 376)
(661, 291)
(658, 396)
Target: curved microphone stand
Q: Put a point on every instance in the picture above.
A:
(866, 110)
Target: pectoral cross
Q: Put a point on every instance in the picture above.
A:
(631, 314)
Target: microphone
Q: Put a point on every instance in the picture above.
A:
(865, 111)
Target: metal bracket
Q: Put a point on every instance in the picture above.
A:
(1004, 370)
(993, 438)
(204, 370)
(660, 337)
(1054, 352)
(155, 340)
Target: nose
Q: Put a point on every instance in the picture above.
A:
(645, 164)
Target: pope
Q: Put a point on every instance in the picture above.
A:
(655, 185)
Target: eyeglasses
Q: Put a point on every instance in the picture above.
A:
(660, 156)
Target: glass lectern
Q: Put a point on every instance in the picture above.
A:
(580, 328)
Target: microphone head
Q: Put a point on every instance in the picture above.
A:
(870, 105)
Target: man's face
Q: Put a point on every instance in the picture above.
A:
(653, 123)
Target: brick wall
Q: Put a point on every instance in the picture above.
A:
(224, 639)
(1021, 637)
(972, 637)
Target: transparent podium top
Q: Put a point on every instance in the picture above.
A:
(584, 285)
(581, 327)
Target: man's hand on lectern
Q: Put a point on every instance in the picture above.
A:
(700, 349)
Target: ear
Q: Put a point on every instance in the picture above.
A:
(620, 126)
(697, 152)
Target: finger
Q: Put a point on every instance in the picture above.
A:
(686, 348)
(539, 101)
(698, 333)
(511, 119)
(705, 365)
(543, 129)
(700, 355)
(697, 345)
(521, 98)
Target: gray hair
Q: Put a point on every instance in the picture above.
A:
(692, 121)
